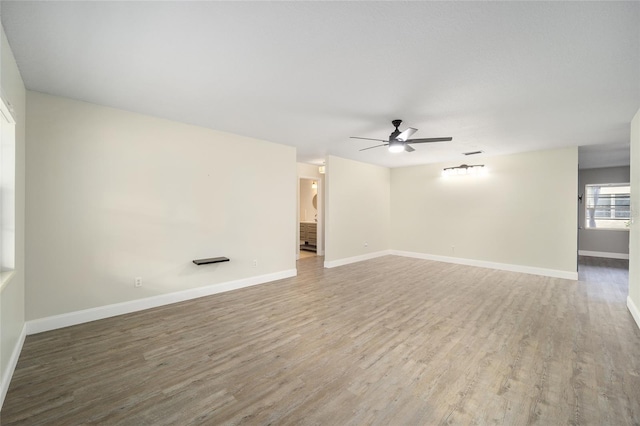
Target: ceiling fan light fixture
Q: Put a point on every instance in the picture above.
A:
(399, 141)
(396, 146)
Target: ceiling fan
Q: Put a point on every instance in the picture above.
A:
(399, 141)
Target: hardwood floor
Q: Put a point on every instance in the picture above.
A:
(390, 341)
(599, 269)
(305, 254)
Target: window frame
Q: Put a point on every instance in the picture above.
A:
(611, 206)
(7, 193)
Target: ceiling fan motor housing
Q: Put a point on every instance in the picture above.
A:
(396, 132)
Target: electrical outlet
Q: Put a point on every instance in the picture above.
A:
(366, 244)
(254, 263)
(137, 282)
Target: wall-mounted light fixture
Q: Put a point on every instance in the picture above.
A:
(314, 185)
(464, 169)
(321, 170)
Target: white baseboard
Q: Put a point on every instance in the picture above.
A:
(635, 312)
(569, 275)
(11, 367)
(101, 312)
(606, 254)
(354, 259)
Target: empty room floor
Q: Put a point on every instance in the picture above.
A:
(388, 341)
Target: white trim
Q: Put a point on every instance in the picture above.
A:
(11, 366)
(635, 312)
(6, 109)
(5, 278)
(606, 254)
(569, 275)
(354, 259)
(604, 229)
(87, 315)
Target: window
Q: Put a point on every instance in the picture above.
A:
(7, 192)
(608, 206)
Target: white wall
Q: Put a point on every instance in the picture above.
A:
(12, 316)
(357, 210)
(601, 240)
(633, 301)
(523, 212)
(113, 195)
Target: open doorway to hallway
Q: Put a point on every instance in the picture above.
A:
(310, 212)
(308, 217)
(310, 223)
(604, 207)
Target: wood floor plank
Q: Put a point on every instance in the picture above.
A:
(388, 341)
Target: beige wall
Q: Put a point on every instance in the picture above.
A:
(634, 238)
(357, 209)
(523, 212)
(114, 195)
(12, 317)
(309, 171)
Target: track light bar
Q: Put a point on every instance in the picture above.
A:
(464, 169)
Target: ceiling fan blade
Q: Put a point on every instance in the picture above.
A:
(406, 134)
(425, 140)
(377, 146)
(407, 148)
(368, 139)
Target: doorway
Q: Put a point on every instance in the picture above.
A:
(604, 208)
(310, 217)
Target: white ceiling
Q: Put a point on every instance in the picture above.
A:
(502, 77)
(610, 155)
